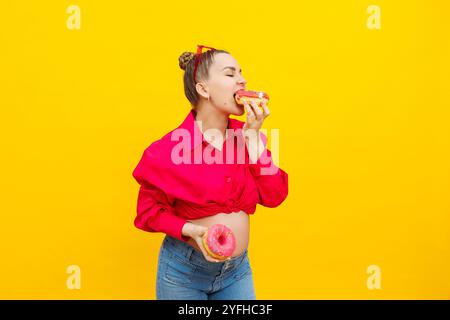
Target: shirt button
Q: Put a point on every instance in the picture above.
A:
(228, 179)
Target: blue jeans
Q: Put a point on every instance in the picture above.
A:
(185, 274)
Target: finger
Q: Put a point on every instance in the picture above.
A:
(203, 231)
(202, 248)
(249, 109)
(265, 108)
(207, 256)
(210, 259)
(256, 110)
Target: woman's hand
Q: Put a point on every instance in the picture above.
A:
(196, 232)
(255, 116)
(255, 119)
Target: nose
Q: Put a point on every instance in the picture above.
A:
(242, 81)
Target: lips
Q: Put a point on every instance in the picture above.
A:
(236, 101)
(235, 97)
(237, 92)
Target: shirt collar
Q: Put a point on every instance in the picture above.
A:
(197, 137)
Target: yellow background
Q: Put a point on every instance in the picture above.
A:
(364, 131)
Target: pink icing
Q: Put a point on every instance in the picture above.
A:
(220, 240)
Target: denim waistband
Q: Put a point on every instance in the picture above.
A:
(189, 253)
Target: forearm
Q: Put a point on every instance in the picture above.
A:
(255, 145)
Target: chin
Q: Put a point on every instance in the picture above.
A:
(236, 111)
(239, 112)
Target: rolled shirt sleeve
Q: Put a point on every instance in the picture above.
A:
(155, 212)
(271, 181)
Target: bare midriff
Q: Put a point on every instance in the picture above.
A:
(238, 222)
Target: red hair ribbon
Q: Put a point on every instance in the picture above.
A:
(198, 57)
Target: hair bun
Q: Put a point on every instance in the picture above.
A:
(185, 58)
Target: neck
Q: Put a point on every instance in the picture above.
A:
(210, 117)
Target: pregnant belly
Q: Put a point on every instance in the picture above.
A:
(238, 222)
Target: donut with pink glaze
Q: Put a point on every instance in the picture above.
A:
(219, 241)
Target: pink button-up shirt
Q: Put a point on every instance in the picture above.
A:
(182, 176)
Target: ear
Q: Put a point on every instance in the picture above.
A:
(202, 90)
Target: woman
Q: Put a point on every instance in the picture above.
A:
(209, 170)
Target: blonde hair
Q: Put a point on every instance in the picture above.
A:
(186, 62)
